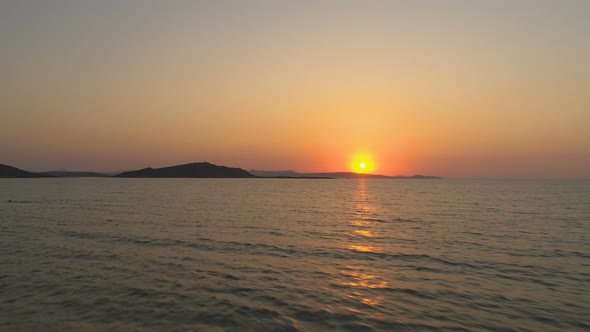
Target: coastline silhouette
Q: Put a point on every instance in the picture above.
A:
(199, 170)
(13, 172)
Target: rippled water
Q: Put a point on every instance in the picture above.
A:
(271, 254)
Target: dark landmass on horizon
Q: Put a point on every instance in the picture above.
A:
(296, 177)
(13, 172)
(197, 170)
(335, 175)
(76, 174)
(192, 170)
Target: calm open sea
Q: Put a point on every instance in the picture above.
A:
(286, 255)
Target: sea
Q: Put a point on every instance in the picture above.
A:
(106, 254)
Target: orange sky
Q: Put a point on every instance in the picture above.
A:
(449, 88)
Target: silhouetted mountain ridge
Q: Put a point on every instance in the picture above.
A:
(200, 170)
(192, 170)
(13, 172)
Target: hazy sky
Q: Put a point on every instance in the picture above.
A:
(451, 88)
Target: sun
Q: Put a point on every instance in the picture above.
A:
(362, 163)
(361, 167)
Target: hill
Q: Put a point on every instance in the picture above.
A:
(13, 172)
(193, 170)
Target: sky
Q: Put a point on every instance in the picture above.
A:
(467, 89)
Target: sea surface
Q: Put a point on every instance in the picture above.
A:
(294, 255)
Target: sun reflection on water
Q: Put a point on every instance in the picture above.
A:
(362, 282)
(363, 287)
(364, 233)
(361, 248)
(372, 302)
(360, 224)
(365, 280)
(362, 220)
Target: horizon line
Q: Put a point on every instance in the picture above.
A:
(114, 172)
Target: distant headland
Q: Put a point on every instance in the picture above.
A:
(335, 175)
(13, 172)
(198, 170)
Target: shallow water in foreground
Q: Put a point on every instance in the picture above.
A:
(272, 254)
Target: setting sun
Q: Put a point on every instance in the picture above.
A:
(362, 163)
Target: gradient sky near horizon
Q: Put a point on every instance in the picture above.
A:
(492, 89)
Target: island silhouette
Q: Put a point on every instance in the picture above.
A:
(13, 172)
(199, 170)
(192, 170)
